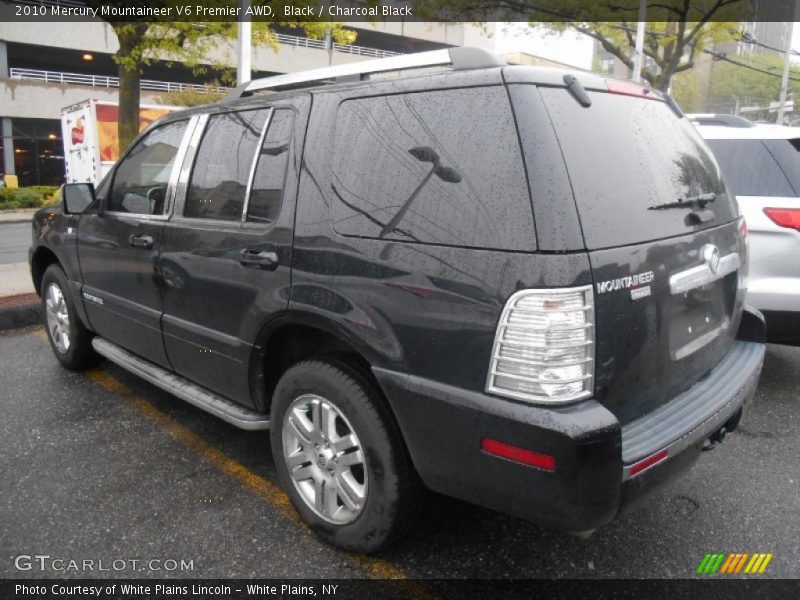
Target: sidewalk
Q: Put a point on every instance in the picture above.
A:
(19, 305)
(17, 216)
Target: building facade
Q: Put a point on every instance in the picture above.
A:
(45, 67)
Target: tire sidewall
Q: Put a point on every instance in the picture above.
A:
(373, 526)
(70, 358)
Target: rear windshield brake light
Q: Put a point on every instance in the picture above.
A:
(627, 88)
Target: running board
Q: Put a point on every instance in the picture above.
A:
(228, 411)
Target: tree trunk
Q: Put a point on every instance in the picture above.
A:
(129, 92)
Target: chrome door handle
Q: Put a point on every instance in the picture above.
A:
(140, 241)
(258, 259)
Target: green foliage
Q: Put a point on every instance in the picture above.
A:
(677, 31)
(191, 43)
(28, 197)
(189, 98)
(729, 86)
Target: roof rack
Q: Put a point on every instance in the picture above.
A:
(460, 58)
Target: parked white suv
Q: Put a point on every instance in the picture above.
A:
(762, 166)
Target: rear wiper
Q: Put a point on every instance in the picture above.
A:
(698, 201)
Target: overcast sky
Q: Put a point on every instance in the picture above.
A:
(569, 48)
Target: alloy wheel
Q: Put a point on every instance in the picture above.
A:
(325, 459)
(57, 318)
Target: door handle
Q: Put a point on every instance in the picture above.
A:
(140, 241)
(259, 259)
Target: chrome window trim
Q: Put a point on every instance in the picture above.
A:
(701, 275)
(137, 216)
(254, 165)
(187, 164)
(176, 167)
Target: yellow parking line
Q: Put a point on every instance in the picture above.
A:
(373, 567)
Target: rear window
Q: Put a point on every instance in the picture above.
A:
(441, 167)
(625, 156)
(752, 167)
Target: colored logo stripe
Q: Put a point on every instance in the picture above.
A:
(734, 562)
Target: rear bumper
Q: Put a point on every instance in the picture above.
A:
(592, 481)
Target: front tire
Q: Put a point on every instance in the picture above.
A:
(70, 340)
(340, 457)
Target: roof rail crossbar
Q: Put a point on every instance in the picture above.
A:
(460, 58)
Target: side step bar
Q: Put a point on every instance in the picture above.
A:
(228, 411)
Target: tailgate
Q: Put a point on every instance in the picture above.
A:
(659, 332)
(664, 241)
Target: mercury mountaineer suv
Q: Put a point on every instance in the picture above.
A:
(519, 286)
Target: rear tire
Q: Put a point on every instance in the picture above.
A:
(70, 340)
(340, 457)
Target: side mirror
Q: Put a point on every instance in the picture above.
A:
(76, 197)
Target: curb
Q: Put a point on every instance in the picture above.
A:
(8, 217)
(15, 220)
(21, 311)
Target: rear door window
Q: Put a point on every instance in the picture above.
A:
(750, 167)
(441, 167)
(222, 168)
(626, 156)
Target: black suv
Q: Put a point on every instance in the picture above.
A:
(518, 286)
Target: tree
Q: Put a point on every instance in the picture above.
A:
(677, 31)
(751, 83)
(142, 43)
(189, 97)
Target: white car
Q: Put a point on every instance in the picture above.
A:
(762, 165)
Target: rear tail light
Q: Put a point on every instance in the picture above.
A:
(544, 346)
(743, 229)
(785, 217)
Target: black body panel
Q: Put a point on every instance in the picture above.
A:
(121, 296)
(637, 339)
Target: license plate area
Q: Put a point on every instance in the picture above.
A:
(699, 318)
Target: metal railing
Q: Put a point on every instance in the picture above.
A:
(107, 81)
(295, 40)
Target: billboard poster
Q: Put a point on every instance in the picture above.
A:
(108, 131)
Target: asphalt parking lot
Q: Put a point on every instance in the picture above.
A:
(103, 466)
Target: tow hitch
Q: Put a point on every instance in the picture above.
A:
(716, 438)
(719, 436)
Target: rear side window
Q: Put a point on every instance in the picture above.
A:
(751, 168)
(440, 167)
(626, 156)
(222, 167)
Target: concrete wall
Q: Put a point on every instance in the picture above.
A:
(39, 100)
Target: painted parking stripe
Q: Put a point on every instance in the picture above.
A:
(373, 567)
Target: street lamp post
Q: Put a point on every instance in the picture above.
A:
(787, 60)
(638, 56)
(244, 44)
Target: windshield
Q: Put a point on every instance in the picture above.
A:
(628, 155)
